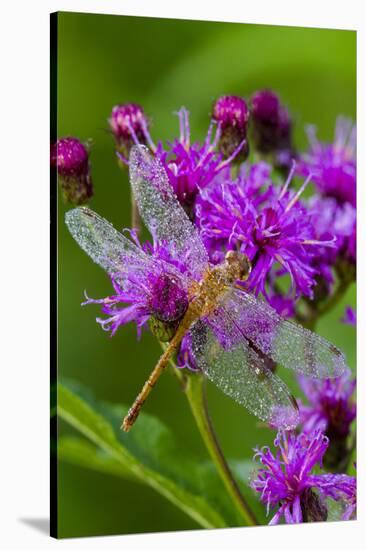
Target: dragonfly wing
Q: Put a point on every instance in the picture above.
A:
(103, 243)
(226, 359)
(285, 342)
(162, 213)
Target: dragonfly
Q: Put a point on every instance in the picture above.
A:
(235, 337)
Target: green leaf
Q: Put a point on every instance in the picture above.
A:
(81, 452)
(149, 453)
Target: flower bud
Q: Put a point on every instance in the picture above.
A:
(129, 125)
(272, 126)
(284, 129)
(265, 107)
(168, 300)
(71, 158)
(167, 304)
(232, 115)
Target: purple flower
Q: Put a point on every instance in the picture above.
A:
(190, 166)
(232, 115)
(349, 490)
(349, 317)
(283, 305)
(185, 358)
(286, 479)
(332, 409)
(268, 224)
(71, 158)
(159, 293)
(332, 219)
(333, 166)
(129, 125)
(331, 406)
(352, 244)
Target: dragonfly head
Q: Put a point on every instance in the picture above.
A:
(238, 265)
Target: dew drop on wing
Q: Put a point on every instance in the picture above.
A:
(285, 342)
(162, 213)
(108, 248)
(224, 356)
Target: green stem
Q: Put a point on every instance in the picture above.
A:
(195, 393)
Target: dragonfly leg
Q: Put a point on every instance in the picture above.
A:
(190, 316)
(134, 411)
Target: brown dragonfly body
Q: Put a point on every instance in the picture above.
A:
(204, 299)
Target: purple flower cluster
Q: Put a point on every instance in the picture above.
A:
(333, 171)
(192, 166)
(299, 248)
(331, 408)
(280, 232)
(189, 166)
(268, 223)
(240, 206)
(286, 480)
(157, 293)
(333, 166)
(337, 221)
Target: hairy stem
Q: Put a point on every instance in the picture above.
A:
(194, 390)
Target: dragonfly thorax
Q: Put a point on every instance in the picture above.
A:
(217, 280)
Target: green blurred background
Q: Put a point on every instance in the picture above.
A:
(164, 64)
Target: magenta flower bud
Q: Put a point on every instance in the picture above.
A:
(168, 303)
(284, 127)
(266, 107)
(232, 115)
(129, 125)
(71, 158)
(231, 111)
(285, 151)
(272, 126)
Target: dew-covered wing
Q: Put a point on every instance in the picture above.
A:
(162, 213)
(103, 243)
(284, 342)
(233, 366)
